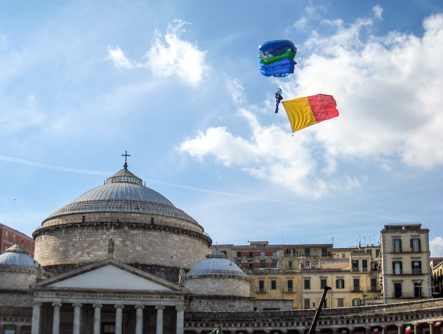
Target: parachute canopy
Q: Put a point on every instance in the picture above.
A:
(310, 110)
(276, 58)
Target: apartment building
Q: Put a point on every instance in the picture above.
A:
(10, 237)
(300, 272)
(405, 269)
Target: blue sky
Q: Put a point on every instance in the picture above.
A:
(177, 85)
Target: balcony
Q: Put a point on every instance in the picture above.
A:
(262, 290)
(289, 290)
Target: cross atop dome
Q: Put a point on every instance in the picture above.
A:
(126, 155)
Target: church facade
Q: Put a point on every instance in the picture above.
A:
(123, 259)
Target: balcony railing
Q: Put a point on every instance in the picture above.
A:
(262, 290)
(289, 290)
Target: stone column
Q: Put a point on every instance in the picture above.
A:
(334, 330)
(399, 328)
(180, 319)
(56, 318)
(118, 318)
(431, 327)
(139, 319)
(97, 318)
(77, 318)
(18, 329)
(416, 329)
(159, 327)
(36, 311)
(384, 329)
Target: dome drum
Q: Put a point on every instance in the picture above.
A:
(134, 243)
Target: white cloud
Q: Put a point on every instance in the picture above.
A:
(119, 58)
(301, 23)
(269, 154)
(388, 92)
(436, 246)
(378, 11)
(168, 56)
(235, 89)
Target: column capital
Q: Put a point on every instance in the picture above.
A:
(56, 304)
(159, 307)
(37, 304)
(119, 306)
(77, 304)
(97, 305)
(180, 308)
(139, 306)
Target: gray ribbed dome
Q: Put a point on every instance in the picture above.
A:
(16, 257)
(216, 264)
(123, 192)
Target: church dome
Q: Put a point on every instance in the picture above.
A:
(16, 257)
(216, 263)
(123, 192)
(147, 230)
(217, 276)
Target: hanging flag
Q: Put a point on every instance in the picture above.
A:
(375, 330)
(437, 324)
(408, 329)
(343, 331)
(310, 110)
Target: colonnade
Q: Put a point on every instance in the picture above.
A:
(419, 327)
(37, 311)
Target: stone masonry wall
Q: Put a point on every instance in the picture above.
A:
(134, 243)
(224, 286)
(16, 279)
(230, 305)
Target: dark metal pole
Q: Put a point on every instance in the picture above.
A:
(317, 313)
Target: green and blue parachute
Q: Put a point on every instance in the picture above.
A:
(276, 58)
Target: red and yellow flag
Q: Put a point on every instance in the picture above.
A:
(310, 110)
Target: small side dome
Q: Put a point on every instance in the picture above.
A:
(216, 263)
(217, 275)
(16, 257)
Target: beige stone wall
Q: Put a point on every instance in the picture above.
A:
(222, 286)
(232, 305)
(134, 243)
(16, 279)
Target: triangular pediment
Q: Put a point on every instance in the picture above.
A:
(109, 275)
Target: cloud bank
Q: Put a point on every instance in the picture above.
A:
(388, 91)
(168, 56)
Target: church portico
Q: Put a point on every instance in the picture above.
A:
(108, 297)
(106, 318)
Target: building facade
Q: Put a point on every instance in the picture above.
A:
(300, 272)
(10, 237)
(405, 268)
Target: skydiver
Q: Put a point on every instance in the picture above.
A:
(278, 98)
